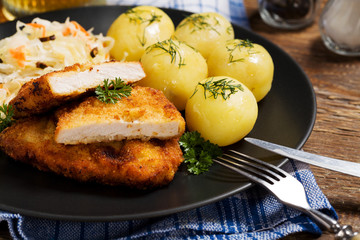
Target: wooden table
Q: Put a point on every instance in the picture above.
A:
(336, 81)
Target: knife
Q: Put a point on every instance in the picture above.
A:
(346, 167)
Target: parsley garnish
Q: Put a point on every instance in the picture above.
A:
(6, 114)
(112, 92)
(198, 153)
(224, 87)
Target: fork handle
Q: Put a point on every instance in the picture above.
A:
(341, 232)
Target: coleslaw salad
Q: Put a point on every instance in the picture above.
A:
(43, 46)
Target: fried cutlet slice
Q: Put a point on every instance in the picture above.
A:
(53, 89)
(146, 114)
(133, 163)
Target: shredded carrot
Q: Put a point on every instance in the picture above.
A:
(66, 32)
(79, 27)
(36, 25)
(88, 46)
(18, 54)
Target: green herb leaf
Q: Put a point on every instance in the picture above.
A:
(198, 153)
(224, 87)
(229, 30)
(6, 115)
(135, 16)
(201, 22)
(237, 44)
(112, 92)
(169, 47)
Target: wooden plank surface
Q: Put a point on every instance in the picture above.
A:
(336, 81)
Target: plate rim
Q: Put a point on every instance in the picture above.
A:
(165, 212)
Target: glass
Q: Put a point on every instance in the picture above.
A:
(18, 8)
(288, 14)
(340, 26)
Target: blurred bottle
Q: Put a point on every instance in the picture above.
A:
(18, 8)
(288, 14)
(340, 26)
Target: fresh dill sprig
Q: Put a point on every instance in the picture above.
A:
(171, 48)
(135, 17)
(224, 87)
(201, 22)
(238, 44)
(229, 30)
(6, 115)
(198, 153)
(142, 39)
(112, 92)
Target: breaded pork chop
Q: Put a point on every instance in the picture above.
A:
(54, 88)
(146, 114)
(133, 163)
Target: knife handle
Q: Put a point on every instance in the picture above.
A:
(346, 233)
(341, 232)
(356, 237)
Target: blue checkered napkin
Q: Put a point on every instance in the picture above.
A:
(250, 214)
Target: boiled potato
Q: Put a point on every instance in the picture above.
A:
(175, 68)
(221, 118)
(204, 31)
(137, 29)
(245, 61)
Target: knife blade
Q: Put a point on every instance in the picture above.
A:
(338, 165)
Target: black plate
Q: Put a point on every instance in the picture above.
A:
(286, 116)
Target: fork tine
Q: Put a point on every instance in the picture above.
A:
(254, 172)
(252, 168)
(243, 170)
(283, 186)
(254, 163)
(279, 171)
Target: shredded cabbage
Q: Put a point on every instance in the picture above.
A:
(42, 46)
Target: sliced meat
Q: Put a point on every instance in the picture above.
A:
(146, 114)
(55, 88)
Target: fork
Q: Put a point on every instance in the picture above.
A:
(286, 188)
